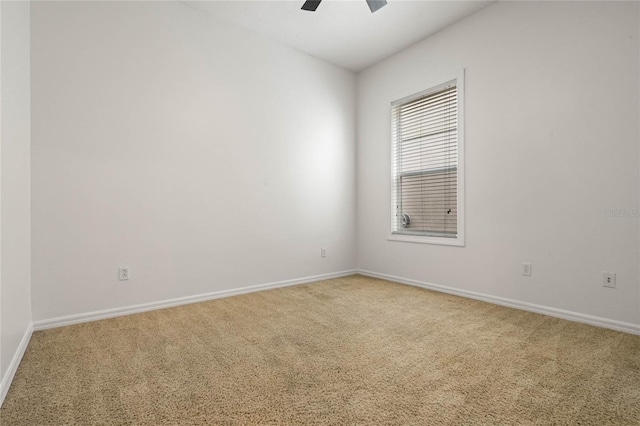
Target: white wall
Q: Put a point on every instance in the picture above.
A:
(15, 239)
(208, 158)
(200, 155)
(551, 143)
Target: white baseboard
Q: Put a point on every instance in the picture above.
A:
(15, 362)
(553, 312)
(133, 309)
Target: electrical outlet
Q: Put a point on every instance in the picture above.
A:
(526, 269)
(123, 273)
(323, 252)
(609, 279)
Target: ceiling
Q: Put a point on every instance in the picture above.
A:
(343, 32)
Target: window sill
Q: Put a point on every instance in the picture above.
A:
(444, 241)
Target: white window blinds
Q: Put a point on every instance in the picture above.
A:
(425, 163)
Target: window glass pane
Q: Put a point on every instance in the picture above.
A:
(425, 160)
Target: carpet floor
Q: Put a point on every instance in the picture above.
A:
(353, 350)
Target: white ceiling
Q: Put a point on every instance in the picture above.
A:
(343, 32)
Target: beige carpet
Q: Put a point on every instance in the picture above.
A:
(353, 350)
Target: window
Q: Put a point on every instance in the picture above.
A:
(427, 166)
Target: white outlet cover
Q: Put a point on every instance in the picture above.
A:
(526, 269)
(609, 279)
(123, 274)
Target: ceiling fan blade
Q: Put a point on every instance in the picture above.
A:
(311, 5)
(375, 4)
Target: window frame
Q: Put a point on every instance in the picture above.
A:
(433, 238)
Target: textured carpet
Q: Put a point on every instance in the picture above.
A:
(352, 350)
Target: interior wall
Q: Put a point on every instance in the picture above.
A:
(201, 156)
(15, 239)
(552, 104)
